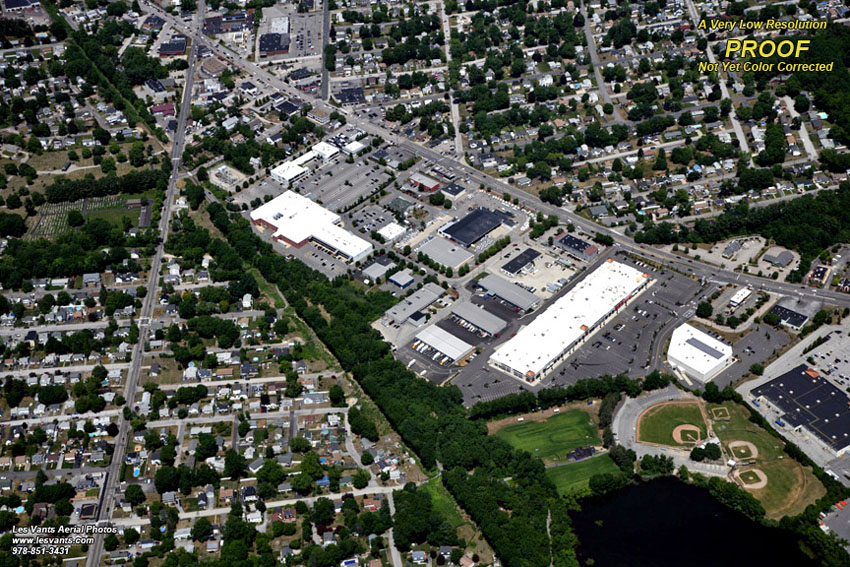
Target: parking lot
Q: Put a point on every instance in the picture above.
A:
(369, 218)
(339, 184)
(315, 257)
(305, 34)
(755, 347)
(622, 346)
(832, 358)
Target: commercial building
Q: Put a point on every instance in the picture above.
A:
(558, 331)
(423, 182)
(326, 151)
(409, 309)
(274, 44)
(392, 232)
(350, 95)
(789, 317)
(289, 172)
(173, 48)
(577, 247)
(819, 275)
(521, 263)
(17, 5)
(453, 191)
(740, 297)
(520, 298)
(402, 278)
(294, 169)
(696, 353)
(296, 220)
(445, 253)
(780, 260)
(731, 249)
(473, 227)
(805, 400)
(353, 148)
(444, 343)
(481, 319)
(377, 269)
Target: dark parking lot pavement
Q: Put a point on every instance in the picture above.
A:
(756, 347)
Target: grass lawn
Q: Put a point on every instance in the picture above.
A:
(657, 424)
(116, 216)
(749, 477)
(790, 486)
(554, 437)
(443, 502)
(575, 476)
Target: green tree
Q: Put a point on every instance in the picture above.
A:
(234, 464)
(704, 309)
(323, 512)
(360, 479)
(336, 395)
(202, 529)
(299, 445)
(134, 495)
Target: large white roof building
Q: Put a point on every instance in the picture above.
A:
(295, 219)
(696, 353)
(556, 332)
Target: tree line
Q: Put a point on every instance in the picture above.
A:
(431, 420)
(808, 224)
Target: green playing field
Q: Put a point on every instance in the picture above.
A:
(554, 437)
(575, 476)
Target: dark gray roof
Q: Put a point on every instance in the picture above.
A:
(811, 402)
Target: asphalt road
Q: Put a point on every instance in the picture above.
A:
(694, 268)
(109, 491)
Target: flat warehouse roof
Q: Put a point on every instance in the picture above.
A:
(807, 399)
(473, 227)
(482, 319)
(298, 219)
(577, 244)
(419, 300)
(392, 231)
(512, 293)
(536, 347)
(789, 316)
(516, 264)
(445, 342)
(288, 171)
(446, 253)
(697, 349)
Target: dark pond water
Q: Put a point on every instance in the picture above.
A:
(667, 523)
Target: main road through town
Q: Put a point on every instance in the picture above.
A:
(109, 491)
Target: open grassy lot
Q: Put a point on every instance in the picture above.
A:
(657, 424)
(790, 486)
(443, 502)
(554, 437)
(116, 216)
(575, 476)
